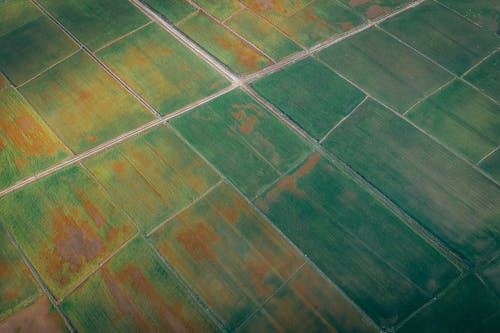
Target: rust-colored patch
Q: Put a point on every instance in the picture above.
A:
(310, 15)
(119, 169)
(91, 138)
(247, 122)
(228, 210)
(244, 55)
(259, 272)
(38, 317)
(11, 294)
(308, 165)
(261, 6)
(196, 241)
(94, 212)
(347, 25)
(376, 11)
(354, 3)
(84, 95)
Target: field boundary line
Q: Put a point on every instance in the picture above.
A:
(427, 96)
(48, 68)
(480, 62)
(111, 42)
(457, 13)
(343, 119)
(488, 155)
(182, 20)
(41, 283)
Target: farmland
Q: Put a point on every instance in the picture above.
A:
(249, 166)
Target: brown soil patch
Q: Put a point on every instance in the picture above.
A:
(376, 11)
(229, 210)
(36, 318)
(258, 272)
(196, 241)
(94, 212)
(247, 122)
(11, 294)
(244, 54)
(347, 25)
(354, 3)
(267, 5)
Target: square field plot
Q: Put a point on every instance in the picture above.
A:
(37, 316)
(135, 292)
(443, 36)
(152, 176)
(83, 104)
(161, 69)
(389, 70)
(172, 10)
(27, 145)
(462, 118)
(96, 22)
(311, 95)
(373, 9)
(29, 41)
(483, 12)
(18, 285)
(486, 76)
(242, 139)
(440, 191)
(356, 241)
(223, 44)
(66, 225)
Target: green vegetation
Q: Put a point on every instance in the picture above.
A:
(96, 22)
(221, 9)
(172, 10)
(262, 34)
(356, 241)
(443, 36)
(242, 139)
(389, 70)
(29, 41)
(65, 225)
(443, 193)
(311, 95)
(18, 286)
(462, 118)
(227, 253)
(135, 292)
(161, 69)
(83, 104)
(27, 145)
(274, 11)
(152, 176)
(373, 9)
(483, 12)
(223, 44)
(491, 164)
(459, 310)
(486, 75)
(491, 273)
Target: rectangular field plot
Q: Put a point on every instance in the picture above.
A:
(486, 75)
(373, 9)
(491, 164)
(308, 303)
(36, 316)
(152, 176)
(389, 70)
(27, 145)
(17, 286)
(223, 44)
(29, 41)
(172, 10)
(443, 36)
(462, 118)
(443, 193)
(459, 310)
(96, 22)
(83, 104)
(135, 292)
(357, 242)
(262, 34)
(227, 253)
(161, 69)
(311, 95)
(66, 226)
(242, 139)
(483, 12)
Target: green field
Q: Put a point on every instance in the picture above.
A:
(66, 225)
(221, 9)
(483, 12)
(485, 76)
(83, 104)
(491, 273)
(262, 34)
(161, 69)
(96, 22)
(29, 41)
(223, 44)
(242, 139)
(135, 292)
(462, 118)
(172, 10)
(152, 176)
(18, 286)
(460, 309)
(227, 253)
(27, 145)
(357, 242)
(443, 36)
(311, 95)
(382, 66)
(491, 164)
(443, 193)
(373, 9)
(307, 303)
